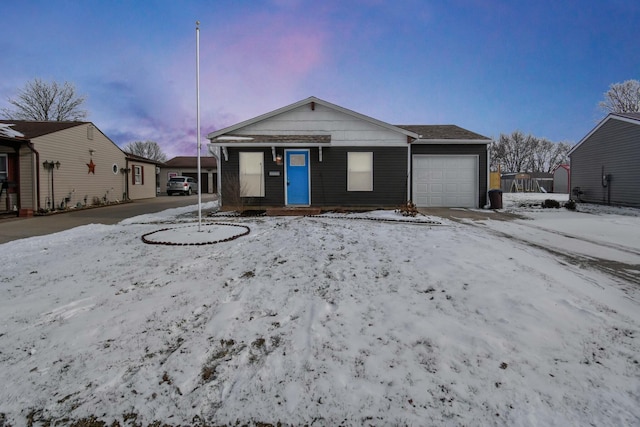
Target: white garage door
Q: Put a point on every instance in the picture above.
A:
(445, 181)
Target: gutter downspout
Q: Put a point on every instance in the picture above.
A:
(126, 178)
(409, 170)
(37, 183)
(215, 152)
(486, 200)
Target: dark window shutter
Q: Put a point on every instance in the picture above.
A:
(142, 175)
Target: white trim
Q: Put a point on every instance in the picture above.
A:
(320, 154)
(269, 144)
(137, 176)
(248, 155)
(234, 138)
(371, 170)
(286, 166)
(599, 125)
(452, 141)
(308, 144)
(476, 176)
(409, 177)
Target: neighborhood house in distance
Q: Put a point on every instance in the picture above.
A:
(188, 166)
(316, 154)
(52, 165)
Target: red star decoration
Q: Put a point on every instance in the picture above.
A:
(92, 167)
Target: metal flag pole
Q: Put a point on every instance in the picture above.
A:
(198, 122)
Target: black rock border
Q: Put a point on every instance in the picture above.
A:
(246, 231)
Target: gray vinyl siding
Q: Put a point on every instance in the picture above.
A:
(273, 185)
(615, 146)
(328, 178)
(462, 149)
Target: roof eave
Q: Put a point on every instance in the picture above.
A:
(452, 141)
(610, 116)
(269, 144)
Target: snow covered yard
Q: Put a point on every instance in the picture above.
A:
(324, 321)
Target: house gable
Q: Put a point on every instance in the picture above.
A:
(631, 118)
(314, 117)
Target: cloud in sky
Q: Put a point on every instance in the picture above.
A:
(490, 66)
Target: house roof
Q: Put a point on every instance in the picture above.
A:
(191, 162)
(445, 133)
(633, 118)
(131, 156)
(259, 140)
(32, 129)
(311, 99)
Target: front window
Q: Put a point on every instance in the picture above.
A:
(251, 174)
(137, 175)
(360, 171)
(4, 171)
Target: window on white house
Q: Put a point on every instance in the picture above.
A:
(4, 170)
(137, 175)
(360, 171)
(251, 174)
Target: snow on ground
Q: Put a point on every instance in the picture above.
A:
(323, 321)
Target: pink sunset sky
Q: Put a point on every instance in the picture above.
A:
(489, 66)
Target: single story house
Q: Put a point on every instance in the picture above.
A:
(318, 154)
(188, 166)
(53, 165)
(604, 164)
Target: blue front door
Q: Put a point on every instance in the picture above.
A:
(297, 177)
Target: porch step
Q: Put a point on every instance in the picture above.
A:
(292, 211)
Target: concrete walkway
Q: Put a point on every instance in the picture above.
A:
(14, 228)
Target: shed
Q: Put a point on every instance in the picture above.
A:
(562, 179)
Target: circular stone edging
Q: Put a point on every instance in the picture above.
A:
(148, 241)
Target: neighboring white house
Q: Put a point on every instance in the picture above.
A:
(52, 165)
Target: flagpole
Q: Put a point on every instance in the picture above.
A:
(198, 122)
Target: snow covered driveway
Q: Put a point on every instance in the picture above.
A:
(321, 321)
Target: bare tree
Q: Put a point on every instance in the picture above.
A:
(512, 152)
(622, 98)
(518, 152)
(547, 155)
(44, 101)
(147, 149)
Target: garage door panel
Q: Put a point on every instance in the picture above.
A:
(445, 180)
(436, 188)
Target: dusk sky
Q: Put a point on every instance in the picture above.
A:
(489, 66)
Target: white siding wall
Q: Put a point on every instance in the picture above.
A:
(344, 129)
(147, 188)
(71, 148)
(28, 199)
